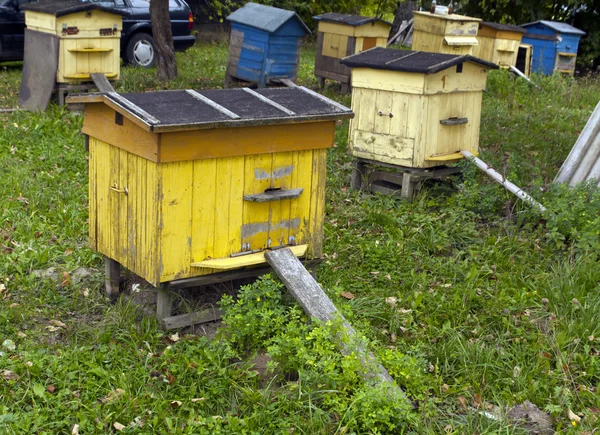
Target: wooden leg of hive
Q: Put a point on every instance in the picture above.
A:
(164, 302)
(358, 173)
(228, 81)
(112, 277)
(408, 186)
(321, 81)
(61, 97)
(345, 88)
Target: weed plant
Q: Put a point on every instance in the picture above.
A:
(467, 296)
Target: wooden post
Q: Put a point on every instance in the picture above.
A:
(358, 172)
(112, 277)
(315, 303)
(164, 302)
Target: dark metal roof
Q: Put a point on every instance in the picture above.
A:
(351, 20)
(66, 7)
(188, 109)
(557, 26)
(506, 27)
(409, 61)
(263, 17)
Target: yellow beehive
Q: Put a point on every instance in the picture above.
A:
(89, 34)
(342, 35)
(186, 183)
(498, 43)
(452, 34)
(415, 109)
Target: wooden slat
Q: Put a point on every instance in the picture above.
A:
(212, 104)
(274, 195)
(189, 319)
(241, 261)
(133, 108)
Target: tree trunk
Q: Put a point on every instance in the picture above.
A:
(163, 39)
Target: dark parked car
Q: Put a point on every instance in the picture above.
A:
(137, 44)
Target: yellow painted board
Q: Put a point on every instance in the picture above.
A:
(234, 244)
(383, 110)
(175, 187)
(446, 157)
(280, 219)
(93, 21)
(258, 173)
(203, 209)
(242, 261)
(317, 205)
(151, 252)
(300, 207)
(367, 78)
(92, 212)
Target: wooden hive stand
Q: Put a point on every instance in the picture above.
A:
(190, 188)
(403, 182)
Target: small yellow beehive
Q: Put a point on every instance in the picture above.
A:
(342, 35)
(415, 109)
(452, 34)
(186, 183)
(89, 37)
(498, 43)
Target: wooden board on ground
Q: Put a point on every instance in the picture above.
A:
(39, 70)
(313, 300)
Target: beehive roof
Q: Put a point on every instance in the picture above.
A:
(409, 61)
(505, 27)
(191, 110)
(557, 26)
(66, 7)
(351, 20)
(263, 17)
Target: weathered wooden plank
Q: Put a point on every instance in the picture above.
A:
(313, 300)
(189, 319)
(274, 195)
(102, 82)
(112, 277)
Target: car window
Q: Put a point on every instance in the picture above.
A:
(110, 3)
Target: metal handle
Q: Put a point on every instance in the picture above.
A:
(274, 195)
(454, 121)
(380, 113)
(115, 188)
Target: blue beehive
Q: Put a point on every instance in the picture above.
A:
(264, 45)
(554, 46)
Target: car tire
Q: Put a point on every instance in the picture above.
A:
(141, 51)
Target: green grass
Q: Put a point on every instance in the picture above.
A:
(493, 303)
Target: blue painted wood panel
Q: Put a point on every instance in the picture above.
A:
(268, 55)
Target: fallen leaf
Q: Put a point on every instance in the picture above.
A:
(75, 430)
(21, 334)
(516, 371)
(174, 338)
(2, 288)
(8, 375)
(175, 403)
(66, 279)
(118, 426)
(13, 305)
(462, 402)
(393, 337)
(52, 328)
(573, 417)
(347, 295)
(57, 323)
(112, 396)
(445, 388)
(69, 251)
(51, 389)
(404, 310)
(199, 399)
(85, 292)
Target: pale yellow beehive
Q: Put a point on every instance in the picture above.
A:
(415, 109)
(451, 34)
(498, 43)
(341, 35)
(90, 37)
(184, 184)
